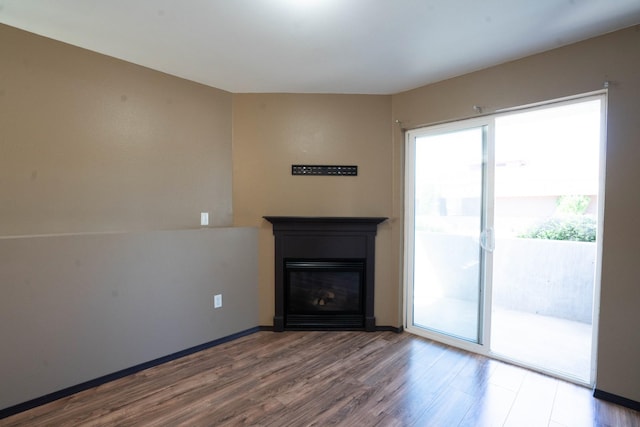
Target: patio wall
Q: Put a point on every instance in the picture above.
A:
(547, 277)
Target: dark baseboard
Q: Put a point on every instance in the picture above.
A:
(21, 407)
(618, 400)
(395, 329)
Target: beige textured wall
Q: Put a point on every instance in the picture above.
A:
(90, 143)
(571, 70)
(274, 131)
(77, 307)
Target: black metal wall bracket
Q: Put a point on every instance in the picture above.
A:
(324, 170)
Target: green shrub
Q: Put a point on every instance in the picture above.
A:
(577, 228)
(572, 204)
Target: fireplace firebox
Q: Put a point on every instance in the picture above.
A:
(324, 292)
(324, 272)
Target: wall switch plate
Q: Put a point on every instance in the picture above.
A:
(217, 301)
(204, 218)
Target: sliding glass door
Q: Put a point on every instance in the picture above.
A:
(526, 293)
(546, 215)
(447, 222)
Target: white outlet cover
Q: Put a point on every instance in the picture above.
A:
(204, 218)
(217, 301)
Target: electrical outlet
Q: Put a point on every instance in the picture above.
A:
(217, 301)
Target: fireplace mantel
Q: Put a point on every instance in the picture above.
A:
(324, 238)
(325, 222)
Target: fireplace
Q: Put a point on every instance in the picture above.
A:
(326, 293)
(324, 272)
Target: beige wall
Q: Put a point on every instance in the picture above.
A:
(90, 143)
(77, 307)
(274, 131)
(575, 69)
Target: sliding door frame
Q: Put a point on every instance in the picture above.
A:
(483, 347)
(484, 315)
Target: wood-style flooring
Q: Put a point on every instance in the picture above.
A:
(331, 378)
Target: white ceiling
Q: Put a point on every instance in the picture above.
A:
(319, 46)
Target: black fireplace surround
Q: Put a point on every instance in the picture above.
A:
(324, 272)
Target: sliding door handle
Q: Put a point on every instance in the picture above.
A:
(487, 240)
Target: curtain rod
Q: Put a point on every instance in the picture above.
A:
(500, 111)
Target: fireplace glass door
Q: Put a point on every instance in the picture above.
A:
(327, 293)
